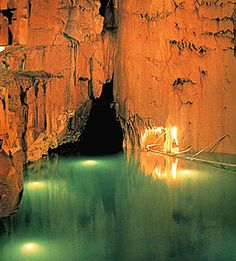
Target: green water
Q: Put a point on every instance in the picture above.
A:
(122, 208)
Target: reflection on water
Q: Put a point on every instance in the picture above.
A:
(136, 207)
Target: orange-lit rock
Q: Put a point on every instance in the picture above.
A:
(11, 183)
(3, 30)
(176, 66)
(56, 63)
(173, 64)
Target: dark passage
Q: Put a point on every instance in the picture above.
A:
(8, 13)
(107, 10)
(103, 7)
(103, 133)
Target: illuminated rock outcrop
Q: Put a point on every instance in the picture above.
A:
(57, 57)
(173, 64)
(176, 67)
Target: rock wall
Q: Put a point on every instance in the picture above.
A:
(176, 65)
(57, 56)
(11, 183)
(173, 64)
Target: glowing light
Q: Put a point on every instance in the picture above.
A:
(2, 48)
(35, 185)
(165, 139)
(186, 172)
(154, 131)
(30, 248)
(174, 169)
(174, 134)
(89, 163)
(156, 172)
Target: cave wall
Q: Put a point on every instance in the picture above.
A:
(176, 65)
(11, 183)
(57, 56)
(173, 64)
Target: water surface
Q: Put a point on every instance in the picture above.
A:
(122, 207)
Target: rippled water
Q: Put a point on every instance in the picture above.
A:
(122, 207)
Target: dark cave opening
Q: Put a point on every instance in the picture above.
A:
(103, 7)
(10, 37)
(107, 10)
(102, 133)
(8, 13)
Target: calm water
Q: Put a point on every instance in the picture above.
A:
(136, 207)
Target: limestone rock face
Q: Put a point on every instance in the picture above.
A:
(173, 64)
(11, 183)
(55, 61)
(176, 65)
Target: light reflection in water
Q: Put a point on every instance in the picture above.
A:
(165, 168)
(174, 169)
(89, 163)
(31, 248)
(120, 213)
(36, 185)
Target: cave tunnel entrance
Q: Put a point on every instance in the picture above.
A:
(103, 7)
(103, 132)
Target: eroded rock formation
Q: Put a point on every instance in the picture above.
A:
(58, 57)
(176, 65)
(173, 64)
(11, 183)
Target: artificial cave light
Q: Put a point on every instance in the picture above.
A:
(174, 133)
(187, 172)
(36, 185)
(166, 139)
(168, 172)
(30, 248)
(2, 48)
(89, 163)
(174, 169)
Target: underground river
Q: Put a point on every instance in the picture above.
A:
(122, 207)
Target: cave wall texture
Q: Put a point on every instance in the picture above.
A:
(55, 63)
(176, 65)
(173, 63)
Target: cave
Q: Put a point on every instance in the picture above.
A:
(8, 13)
(108, 12)
(103, 7)
(102, 133)
(117, 130)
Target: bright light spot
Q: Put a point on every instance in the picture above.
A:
(174, 169)
(159, 129)
(159, 173)
(35, 185)
(165, 139)
(89, 163)
(154, 131)
(186, 172)
(2, 48)
(156, 172)
(29, 248)
(174, 134)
